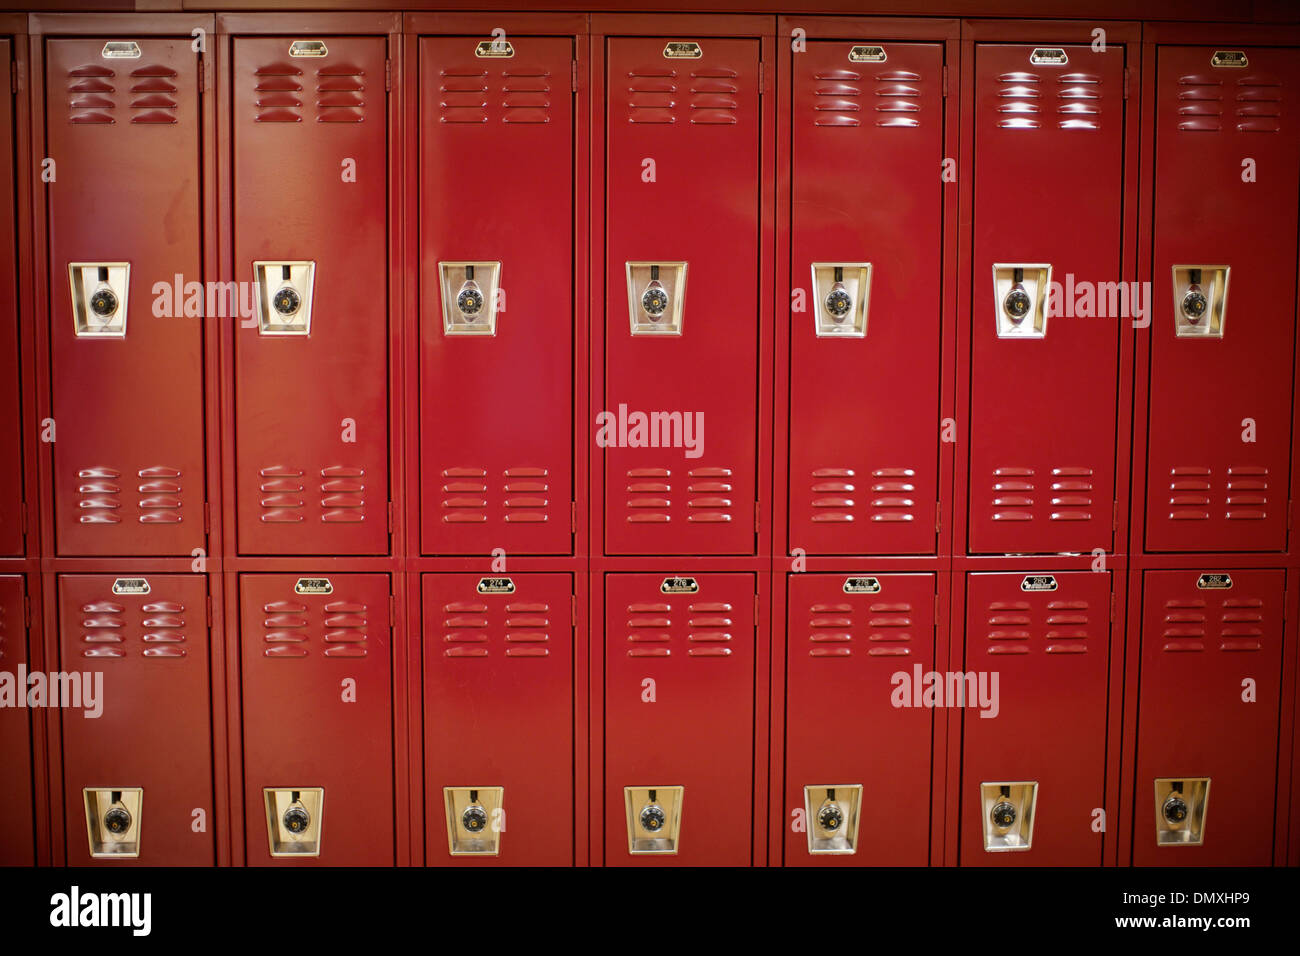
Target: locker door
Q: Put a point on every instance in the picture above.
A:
(1210, 643)
(1220, 405)
(679, 712)
(1049, 149)
(17, 836)
(317, 699)
(311, 234)
(850, 639)
(865, 384)
(148, 638)
(124, 228)
(1046, 637)
(496, 218)
(498, 713)
(11, 431)
(698, 121)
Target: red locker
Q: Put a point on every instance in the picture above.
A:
(1048, 190)
(1224, 377)
(1208, 711)
(11, 430)
(317, 711)
(148, 755)
(855, 643)
(682, 295)
(123, 127)
(679, 718)
(498, 717)
(17, 846)
(1046, 638)
(496, 379)
(311, 234)
(867, 137)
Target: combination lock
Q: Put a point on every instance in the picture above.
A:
(296, 819)
(1175, 809)
(1003, 815)
(1194, 303)
(103, 302)
(117, 820)
(838, 301)
(653, 819)
(830, 817)
(474, 819)
(286, 300)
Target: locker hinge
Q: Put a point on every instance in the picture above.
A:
(208, 600)
(762, 77)
(207, 518)
(27, 610)
(392, 611)
(388, 75)
(1126, 76)
(755, 612)
(1114, 515)
(390, 517)
(574, 76)
(945, 79)
(936, 610)
(573, 607)
(23, 518)
(938, 516)
(756, 518)
(1112, 607)
(13, 76)
(573, 517)
(202, 70)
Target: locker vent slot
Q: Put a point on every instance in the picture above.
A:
(1013, 496)
(525, 488)
(1259, 105)
(345, 629)
(519, 95)
(713, 97)
(526, 627)
(1193, 493)
(160, 495)
(285, 622)
(467, 496)
(340, 94)
(341, 494)
(648, 491)
(710, 622)
(1018, 98)
(151, 87)
(277, 88)
(102, 625)
(1239, 620)
(836, 98)
(97, 495)
(464, 494)
(525, 96)
(896, 97)
(1013, 625)
(90, 95)
(1200, 103)
(282, 490)
(1078, 96)
(706, 502)
(652, 95)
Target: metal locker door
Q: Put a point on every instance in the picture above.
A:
(867, 136)
(1049, 149)
(123, 126)
(1207, 745)
(858, 753)
(496, 371)
(1046, 637)
(311, 235)
(138, 777)
(679, 719)
(498, 719)
(11, 429)
(17, 835)
(1219, 423)
(317, 707)
(681, 297)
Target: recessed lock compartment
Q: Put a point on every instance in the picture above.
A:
(294, 821)
(1020, 299)
(656, 296)
(1181, 805)
(1008, 813)
(475, 820)
(113, 819)
(99, 293)
(842, 291)
(832, 816)
(1200, 301)
(471, 297)
(654, 819)
(284, 293)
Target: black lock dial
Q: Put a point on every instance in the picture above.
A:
(838, 303)
(469, 301)
(655, 301)
(474, 819)
(286, 300)
(653, 819)
(1175, 809)
(830, 817)
(296, 819)
(117, 820)
(1017, 304)
(103, 302)
(1003, 814)
(1194, 304)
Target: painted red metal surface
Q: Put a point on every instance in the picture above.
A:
(311, 185)
(317, 709)
(155, 730)
(124, 135)
(17, 841)
(1200, 648)
(694, 653)
(1219, 423)
(866, 139)
(11, 432)
(498, 708)
(694, 125)
(1050, 652)
(496, 185)
(1049, 150)
(846, 722)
